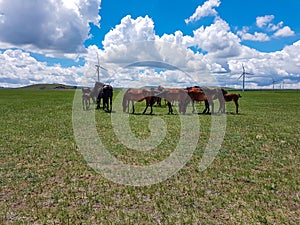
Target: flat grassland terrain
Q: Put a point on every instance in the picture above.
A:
(254, 179)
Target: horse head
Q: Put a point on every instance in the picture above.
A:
(183, 101)
(86, 90)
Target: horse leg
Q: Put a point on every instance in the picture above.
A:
(132, 107)
(206, 109)
(152, 101)
(104, 103)
(193, 105)
(170, 108)
(146, 108)
(159, 102)
(236, 107)
(88, 104)
(107, 104)
(223, 110)
(128, 106)
(220, 109)
(212, 106)
(98, 103)
(110, 102)
(222, 106)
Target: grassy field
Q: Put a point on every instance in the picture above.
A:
(254, 179)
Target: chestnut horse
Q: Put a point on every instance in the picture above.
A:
(208, 95)
(138, 95)
(235, 99)
(196, 94)
(215, 93)
(174, 94)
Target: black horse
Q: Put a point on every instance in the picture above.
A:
(106, 94)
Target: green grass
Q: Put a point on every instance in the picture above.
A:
(45, 180)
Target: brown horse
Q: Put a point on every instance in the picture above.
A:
(138, 95)
(235, 99)
(196, 94)
(208, 95)
(215, 93)
(179, 95)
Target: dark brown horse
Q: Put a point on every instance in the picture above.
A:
(235, 99)
(138, 95)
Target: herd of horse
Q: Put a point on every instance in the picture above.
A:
(98, 92)
(152, 96)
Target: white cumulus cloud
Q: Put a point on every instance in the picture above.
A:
(212, 49)
(284, 32)
(257, 36)
(19, 68)
(217, 39)
(129, 30)
(49, 25)
(207, 9)
(262, 21)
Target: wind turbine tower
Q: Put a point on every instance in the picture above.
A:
(244, 73)
(274, 82)
(98, 67)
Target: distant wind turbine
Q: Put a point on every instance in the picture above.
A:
(274, 82)
(98, 67)
(244, 73)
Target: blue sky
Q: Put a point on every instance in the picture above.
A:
(58, 41)
(169, 17)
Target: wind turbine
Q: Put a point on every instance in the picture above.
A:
(243, 75)
(98, 67)
(274, 82)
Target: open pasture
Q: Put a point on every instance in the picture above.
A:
(254, 179)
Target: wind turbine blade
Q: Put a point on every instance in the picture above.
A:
(241, 76)
(243, 68)
(98, 59)
(102, 68)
